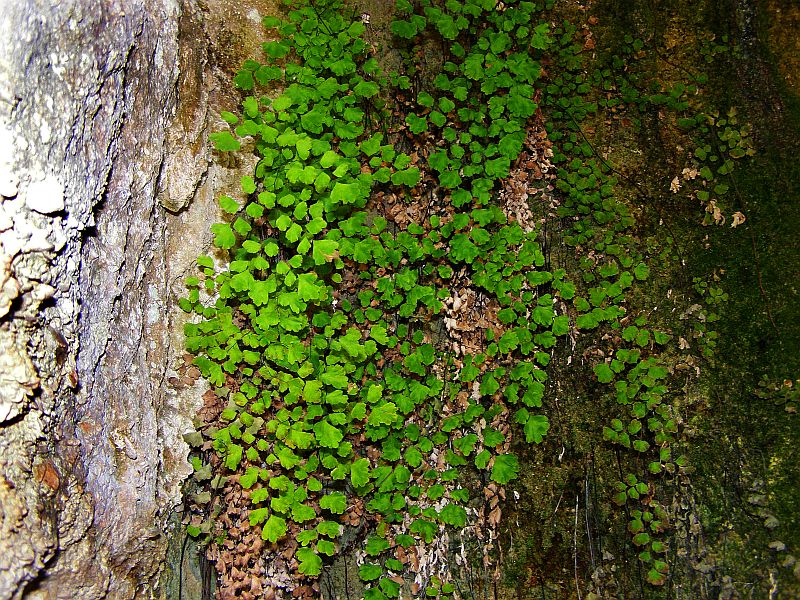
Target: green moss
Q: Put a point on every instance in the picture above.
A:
(734, 439)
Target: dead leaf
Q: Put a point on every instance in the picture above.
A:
(715, 212)
(46, 473)
(738, 219)
(690, 173)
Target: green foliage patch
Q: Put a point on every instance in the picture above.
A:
(330, 329)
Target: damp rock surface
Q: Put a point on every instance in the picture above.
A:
(108, 185)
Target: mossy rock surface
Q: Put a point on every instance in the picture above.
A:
(560, 536)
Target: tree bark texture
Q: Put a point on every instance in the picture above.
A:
(104, 112)
(88, 91)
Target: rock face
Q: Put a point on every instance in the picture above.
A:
(86, 93)
(107, 189)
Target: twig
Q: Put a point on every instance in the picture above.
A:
(180, 566)
(575, 547)
(588, 529)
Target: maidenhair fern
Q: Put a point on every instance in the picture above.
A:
(383, 318)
